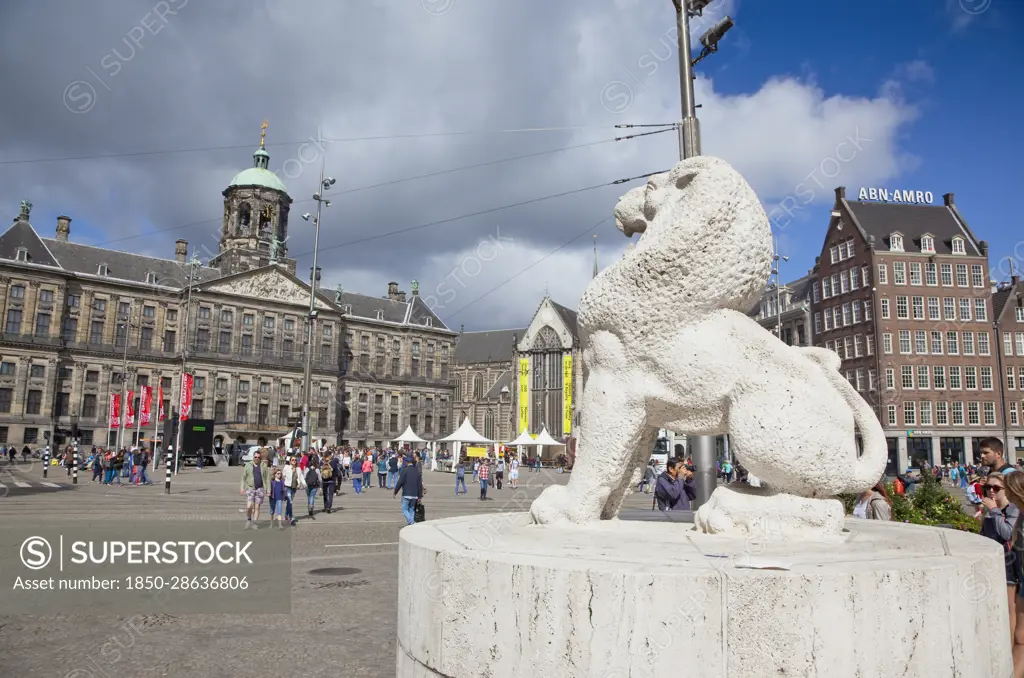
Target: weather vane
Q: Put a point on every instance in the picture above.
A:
(263, 132)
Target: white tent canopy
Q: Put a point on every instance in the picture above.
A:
(466, 434)
(523, 439)
(409, 437)
(544, 438)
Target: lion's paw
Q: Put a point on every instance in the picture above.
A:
(768, 515)
(554, 505)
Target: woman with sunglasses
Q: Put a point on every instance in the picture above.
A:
(998, 517)
(1014, 490)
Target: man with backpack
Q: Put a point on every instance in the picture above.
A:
(410, 484)
(328, 477)
(313, 482)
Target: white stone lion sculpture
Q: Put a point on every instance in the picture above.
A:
(667, 343)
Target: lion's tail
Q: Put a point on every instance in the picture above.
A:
(868, 469)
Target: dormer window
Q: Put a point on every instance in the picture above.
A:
(429, 322)
(347, 309)
(927, 244)
(102, 269)
(379, 314)
(21, 254)
(958, 246)
(151, 278)
(896, 242)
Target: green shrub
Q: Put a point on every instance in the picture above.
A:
(930, 504)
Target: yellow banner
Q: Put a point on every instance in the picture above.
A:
(524, 395)
(567, 382)
(476, 451)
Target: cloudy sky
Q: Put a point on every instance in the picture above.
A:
(802, 95)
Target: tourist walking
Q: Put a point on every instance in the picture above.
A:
(1013, 488)
(484, 474)
(650, 477)
(460, 478)
(255, 482)
(499, 472)
(294, 480)
(367, 470)
(278, 499)
(513, 473)
(392, 470)
(382, 472)
(329, 483)
(313, 483)
(410, 484)
(357, 473)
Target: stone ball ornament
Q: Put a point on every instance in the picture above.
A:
(667, 343)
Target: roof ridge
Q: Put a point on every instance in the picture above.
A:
(108, 249)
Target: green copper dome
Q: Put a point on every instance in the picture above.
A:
(258, 174)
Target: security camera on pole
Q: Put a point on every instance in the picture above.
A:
(701, 448)
(307, 422)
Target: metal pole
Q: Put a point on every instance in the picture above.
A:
(1002, 392)
(307, 421)
(701, 448)
(46, 461)
(167, 473)
(74, 462)
(689, 127)
(123, 419)
(192, 265)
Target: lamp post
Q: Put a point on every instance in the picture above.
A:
(701, 448)
(126, 322)
(776, 258)
(307, 428)
(192, 278)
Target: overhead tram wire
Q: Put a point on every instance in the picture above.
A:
(561, 247)
(380, 137)
(393, 182)
(480, 213)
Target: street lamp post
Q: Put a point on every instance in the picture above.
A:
(192, 278)
(307, 427)
(123, 420)
(776, 258)
(701, 448)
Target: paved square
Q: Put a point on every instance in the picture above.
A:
(343, 582)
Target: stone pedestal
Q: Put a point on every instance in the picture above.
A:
(495, 596)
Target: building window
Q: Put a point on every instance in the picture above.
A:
(939, 377)
(887, 343)
(915, 273)
(926, 413)
(883, 274)
(958, 413)
(36, 371)
(986, 378)
(905, 342)
(73, 301)
(892, 415)
(907, 376)
(980, 310)
(394, 367)
(936, 347)
(909, 412)
(34, 402)
(1014, 419)
(815, 293)
(96, 332)
(958, 245)
(928, 244)
(890, 378)
(961, 275)
(31, 436)
(884, 308)
(920, 342)
(970, 378)
(89, 406)
(923, 382)
(972, 414)
(243, 387)
(5, 400)
(415, 367)
(242, 413)
(42, 324)
(16, 292)
(268, 346)
(13, 321)
(203, 340)
(933, 309)
(954, 378)
(983, 344)
(225, 342)
(946, 271)
(931, 275)
(941, 413)
(965, 309)
(146, 337)
(949, 308)
(899, 273)
(902, 308)
(289, 324)
(918, 307)
(1019, 340)
(170, 341)
(268, 322)
(896, 242)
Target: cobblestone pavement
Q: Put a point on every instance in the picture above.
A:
(338, 625)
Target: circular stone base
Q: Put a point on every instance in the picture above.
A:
(496, 596)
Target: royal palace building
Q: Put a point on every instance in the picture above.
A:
(82, 322)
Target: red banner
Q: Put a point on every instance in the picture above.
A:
(146, 406)
(160, 404)
(129, 419)
(115, 410)
(186, 396)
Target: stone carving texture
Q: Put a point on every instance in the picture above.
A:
(706, 368)
(268, 285)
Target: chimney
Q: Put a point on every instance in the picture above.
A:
(400, 297)
(983, 246)
(180, 250)
(63, 228)
(947, 200)
(840, 194)
(392, 291)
